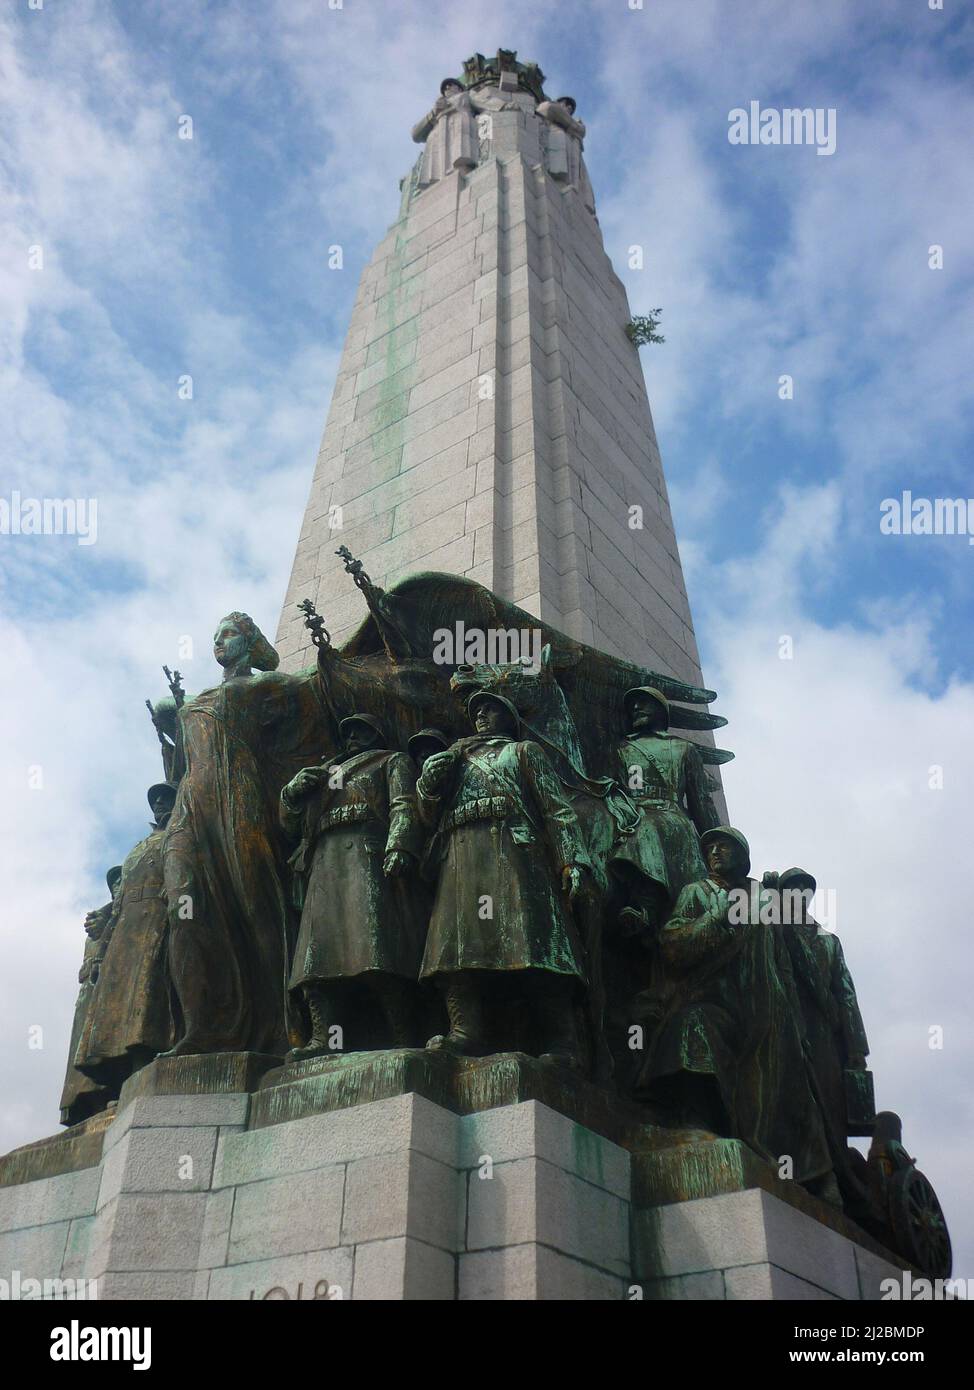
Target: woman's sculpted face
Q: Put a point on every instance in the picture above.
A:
(230, 643)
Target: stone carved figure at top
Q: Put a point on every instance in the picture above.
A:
(511, 858)
(564, 160)
(450, 132)
(228, 912)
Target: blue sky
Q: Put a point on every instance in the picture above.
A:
(208, 256)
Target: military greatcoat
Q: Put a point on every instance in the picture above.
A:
(505, 833)
(665, 846)
(130, 1008)
(354, 918)
(81, 1096)
(834, 1031)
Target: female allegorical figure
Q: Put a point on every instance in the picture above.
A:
(227, 906)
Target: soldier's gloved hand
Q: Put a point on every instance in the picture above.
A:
(436, 769)
(396, 864)
(303, 784)
(719, 904)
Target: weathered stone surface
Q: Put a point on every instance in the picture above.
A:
(179, 1111)
(49, 1199)
(287, 1215)
(160, 1159)
(402, 1268)
(156, 1286)
(529, 1272)
(492, 325)
(74, 1149)
(148, 1231)
(36, 1251)
(212, 1073)
(706, 1287)
(384, 1199)
(528, 1129)
(325, 1274)
(765, 1281)
(529, 1199)
(398, 1194)
(872, 1270)
(745, 1228)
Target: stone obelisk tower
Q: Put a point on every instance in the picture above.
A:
(490, 416)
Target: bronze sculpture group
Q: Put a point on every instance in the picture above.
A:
(384, 851)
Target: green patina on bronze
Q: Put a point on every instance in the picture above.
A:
(547, 902)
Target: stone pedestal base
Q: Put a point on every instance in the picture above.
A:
(316, 1185)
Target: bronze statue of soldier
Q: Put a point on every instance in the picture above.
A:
(727, 1053)
(661, 773)
(362, 922)
(511, 858)
(424, 744)
(130, 1018)
(835, 1038)
(80, 1096)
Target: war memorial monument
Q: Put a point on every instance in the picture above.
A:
(442, 973)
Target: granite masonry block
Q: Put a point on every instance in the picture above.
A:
(77, 1246)
(215, 1236)
(765, 1281)
(534, 1272)
(151, 1286)
(685, 1288)
(287, 1215)
(316, 1275)
(442, 436)
(409, 485)
(403, 1269)
(742, 1228)
(148, 1231)
(531, 1129)
(531, 1199)
(160, 1159)
(404, 1194)
(49, 1200)
(458, 374)
(871, 1270)
(36, 1251)
(339, 1136)
(434, 501)
(453, 558)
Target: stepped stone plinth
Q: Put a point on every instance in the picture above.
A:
(409, 1175)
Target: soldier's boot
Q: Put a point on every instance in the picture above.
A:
(395, 997)
(558, 1026)
(319, 1001)
(464, 1007)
